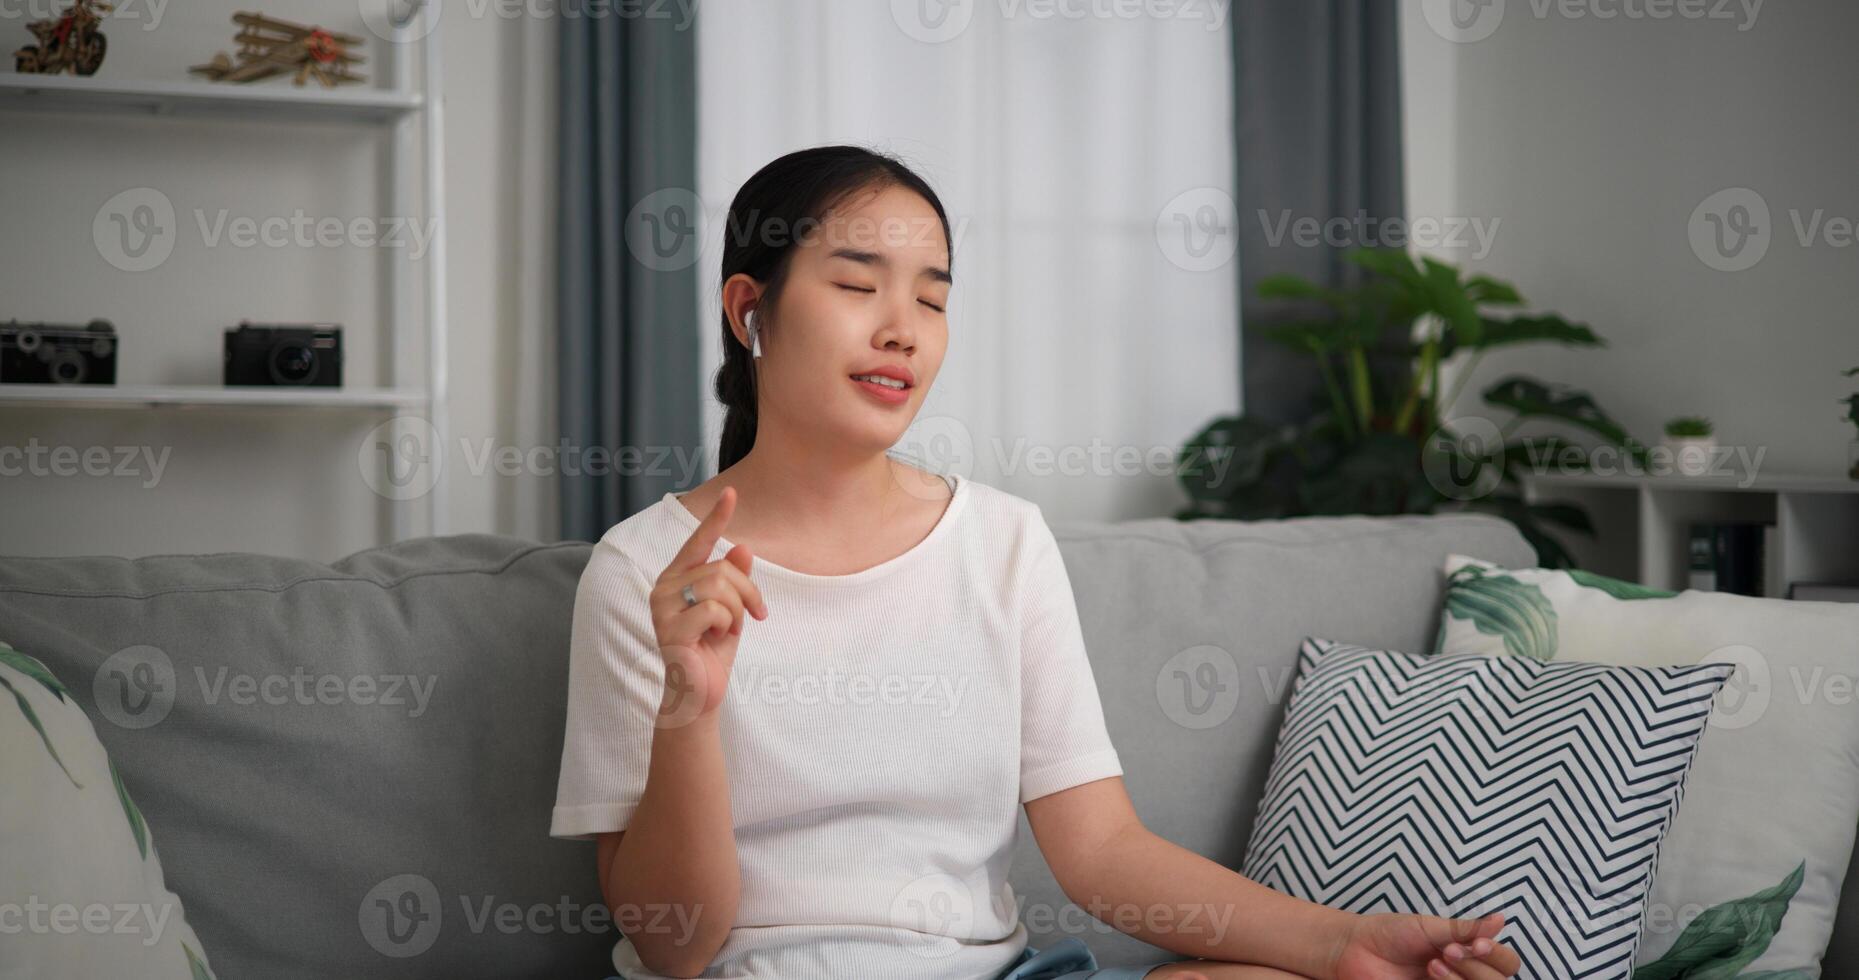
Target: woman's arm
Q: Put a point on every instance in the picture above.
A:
(1106, 861)
(674, 876)
(1112, 866)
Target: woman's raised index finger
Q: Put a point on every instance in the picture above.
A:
(702, 541)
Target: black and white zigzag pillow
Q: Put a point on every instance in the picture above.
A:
(1464, 785)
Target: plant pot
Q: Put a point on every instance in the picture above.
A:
(1692, 455)
(1852, 459)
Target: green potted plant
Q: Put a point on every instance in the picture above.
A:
(1378, 444)
(1689, 439)
(1852, 415)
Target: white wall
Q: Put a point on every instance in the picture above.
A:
(1592, 141)
(276, 481)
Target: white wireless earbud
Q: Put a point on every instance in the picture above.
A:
(755, 335)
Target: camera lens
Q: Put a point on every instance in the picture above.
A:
(67, 368)
(292, 364)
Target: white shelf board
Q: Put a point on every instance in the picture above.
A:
(148, 396)
(274, 99)
(1761, 483)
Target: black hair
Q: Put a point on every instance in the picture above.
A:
(792, 192)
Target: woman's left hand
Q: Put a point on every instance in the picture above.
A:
(1407, 947)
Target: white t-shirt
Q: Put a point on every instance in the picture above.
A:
(880, 732)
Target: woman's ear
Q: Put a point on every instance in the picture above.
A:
(741, 297)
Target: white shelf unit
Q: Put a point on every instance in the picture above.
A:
(412, 112)
(208, 396)
(67, 93)
(1642, 523)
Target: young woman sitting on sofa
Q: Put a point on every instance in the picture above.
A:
(842, 798)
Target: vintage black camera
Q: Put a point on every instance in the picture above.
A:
(45, 353)
(284, 354)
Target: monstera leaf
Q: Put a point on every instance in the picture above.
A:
(1728, 937)
(1494, 332)
(1530, 398)
(1501, 606)
(1487, 291)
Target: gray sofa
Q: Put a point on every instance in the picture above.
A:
(348, 768)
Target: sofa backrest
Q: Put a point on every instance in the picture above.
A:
(397, 825)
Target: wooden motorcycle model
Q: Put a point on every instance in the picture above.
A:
(70, 42)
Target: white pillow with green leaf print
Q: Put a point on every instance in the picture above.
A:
(81, 889)
(1749, 877)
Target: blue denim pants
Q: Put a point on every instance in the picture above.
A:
(1068, 959)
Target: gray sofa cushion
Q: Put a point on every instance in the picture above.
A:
(285, 826)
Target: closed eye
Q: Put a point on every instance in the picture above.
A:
(868, 289)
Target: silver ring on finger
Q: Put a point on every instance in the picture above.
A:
(690, 595)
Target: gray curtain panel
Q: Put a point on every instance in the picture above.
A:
(1317, 119)
(630, 385)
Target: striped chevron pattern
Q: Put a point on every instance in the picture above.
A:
(1464, 785)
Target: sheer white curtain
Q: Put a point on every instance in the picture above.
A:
(1086, 163)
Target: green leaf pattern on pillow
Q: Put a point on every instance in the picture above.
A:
(32, 668)
(1499, 604)
(198, 969)
(1617, 588)
(138, 827)
(1502, 606)
(1728, 937)
(38, 672)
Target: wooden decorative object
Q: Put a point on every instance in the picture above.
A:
(69, 42)
(268, 46)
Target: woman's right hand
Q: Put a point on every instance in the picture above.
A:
(699, 642)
